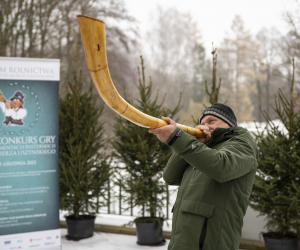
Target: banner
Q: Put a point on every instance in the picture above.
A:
(29, 187)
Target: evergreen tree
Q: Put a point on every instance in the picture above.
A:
(276, 190)
(214, 93)
(143, 155)
(84, 170)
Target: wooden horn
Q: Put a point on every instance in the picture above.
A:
(93, 38)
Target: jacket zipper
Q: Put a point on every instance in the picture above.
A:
(202, 235)
(195, 171)
(179, 206)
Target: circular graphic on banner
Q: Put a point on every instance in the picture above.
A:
(20, 107)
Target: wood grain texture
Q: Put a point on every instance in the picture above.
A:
(93, 38)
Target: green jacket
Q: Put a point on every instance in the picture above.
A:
(215, 181)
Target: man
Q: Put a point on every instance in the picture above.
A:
(14, 111)
(215, 175)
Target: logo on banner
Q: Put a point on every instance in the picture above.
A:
(13, 110)
(49, 243)
(7, 242)
(34, 245)
(31, 240)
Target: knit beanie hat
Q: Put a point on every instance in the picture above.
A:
(222, 112)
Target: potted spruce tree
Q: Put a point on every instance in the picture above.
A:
(276, 190)
(144, 158)
(84, 167)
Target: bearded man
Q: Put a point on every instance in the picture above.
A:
(215, 176)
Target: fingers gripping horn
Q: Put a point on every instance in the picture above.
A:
(93, 38)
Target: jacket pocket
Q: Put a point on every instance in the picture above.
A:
(195, 207)
(193, 219)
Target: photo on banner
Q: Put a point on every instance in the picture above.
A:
(29, 185)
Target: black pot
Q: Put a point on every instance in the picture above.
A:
(146, 231)
(81, 227)
(280, 244)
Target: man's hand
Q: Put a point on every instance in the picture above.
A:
(205, 131)
(7, 105)
(163, 133)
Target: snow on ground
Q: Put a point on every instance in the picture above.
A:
(261, 126)
(105, 241)
(118, 220)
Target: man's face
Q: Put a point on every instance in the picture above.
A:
(213, 122)
(16, 103)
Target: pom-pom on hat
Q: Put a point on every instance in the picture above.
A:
(222, 112)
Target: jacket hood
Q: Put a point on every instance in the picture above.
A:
(222, 134)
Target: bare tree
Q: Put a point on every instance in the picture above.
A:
(119, 40)
(290, 46)
(45, 29)
(268, 77)
(235, 69)
(174, 42)
(26, 27)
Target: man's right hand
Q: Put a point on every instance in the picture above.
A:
(205, 130)
(7, 105)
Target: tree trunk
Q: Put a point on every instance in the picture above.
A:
(259, 99)
(76, 208)
(268, 90)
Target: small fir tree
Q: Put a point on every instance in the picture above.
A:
(143, 155)
(214, 93)
(276, 190)
(84, 170)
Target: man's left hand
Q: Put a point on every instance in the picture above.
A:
(205, 131)
(164, 133)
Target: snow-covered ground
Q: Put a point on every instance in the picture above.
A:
(251, 126)
(119, 220)
(105, 241)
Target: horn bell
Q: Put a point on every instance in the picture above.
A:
(93, 38)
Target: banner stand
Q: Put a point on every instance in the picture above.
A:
(29, 184)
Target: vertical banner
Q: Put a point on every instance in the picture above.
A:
(29, 187)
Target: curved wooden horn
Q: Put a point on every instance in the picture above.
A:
(93, 38)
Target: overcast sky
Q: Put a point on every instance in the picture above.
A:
(214, 17)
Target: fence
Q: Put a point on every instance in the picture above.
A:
(117, 205)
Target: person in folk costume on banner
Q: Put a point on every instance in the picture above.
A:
(215, 176)
(13, 110)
